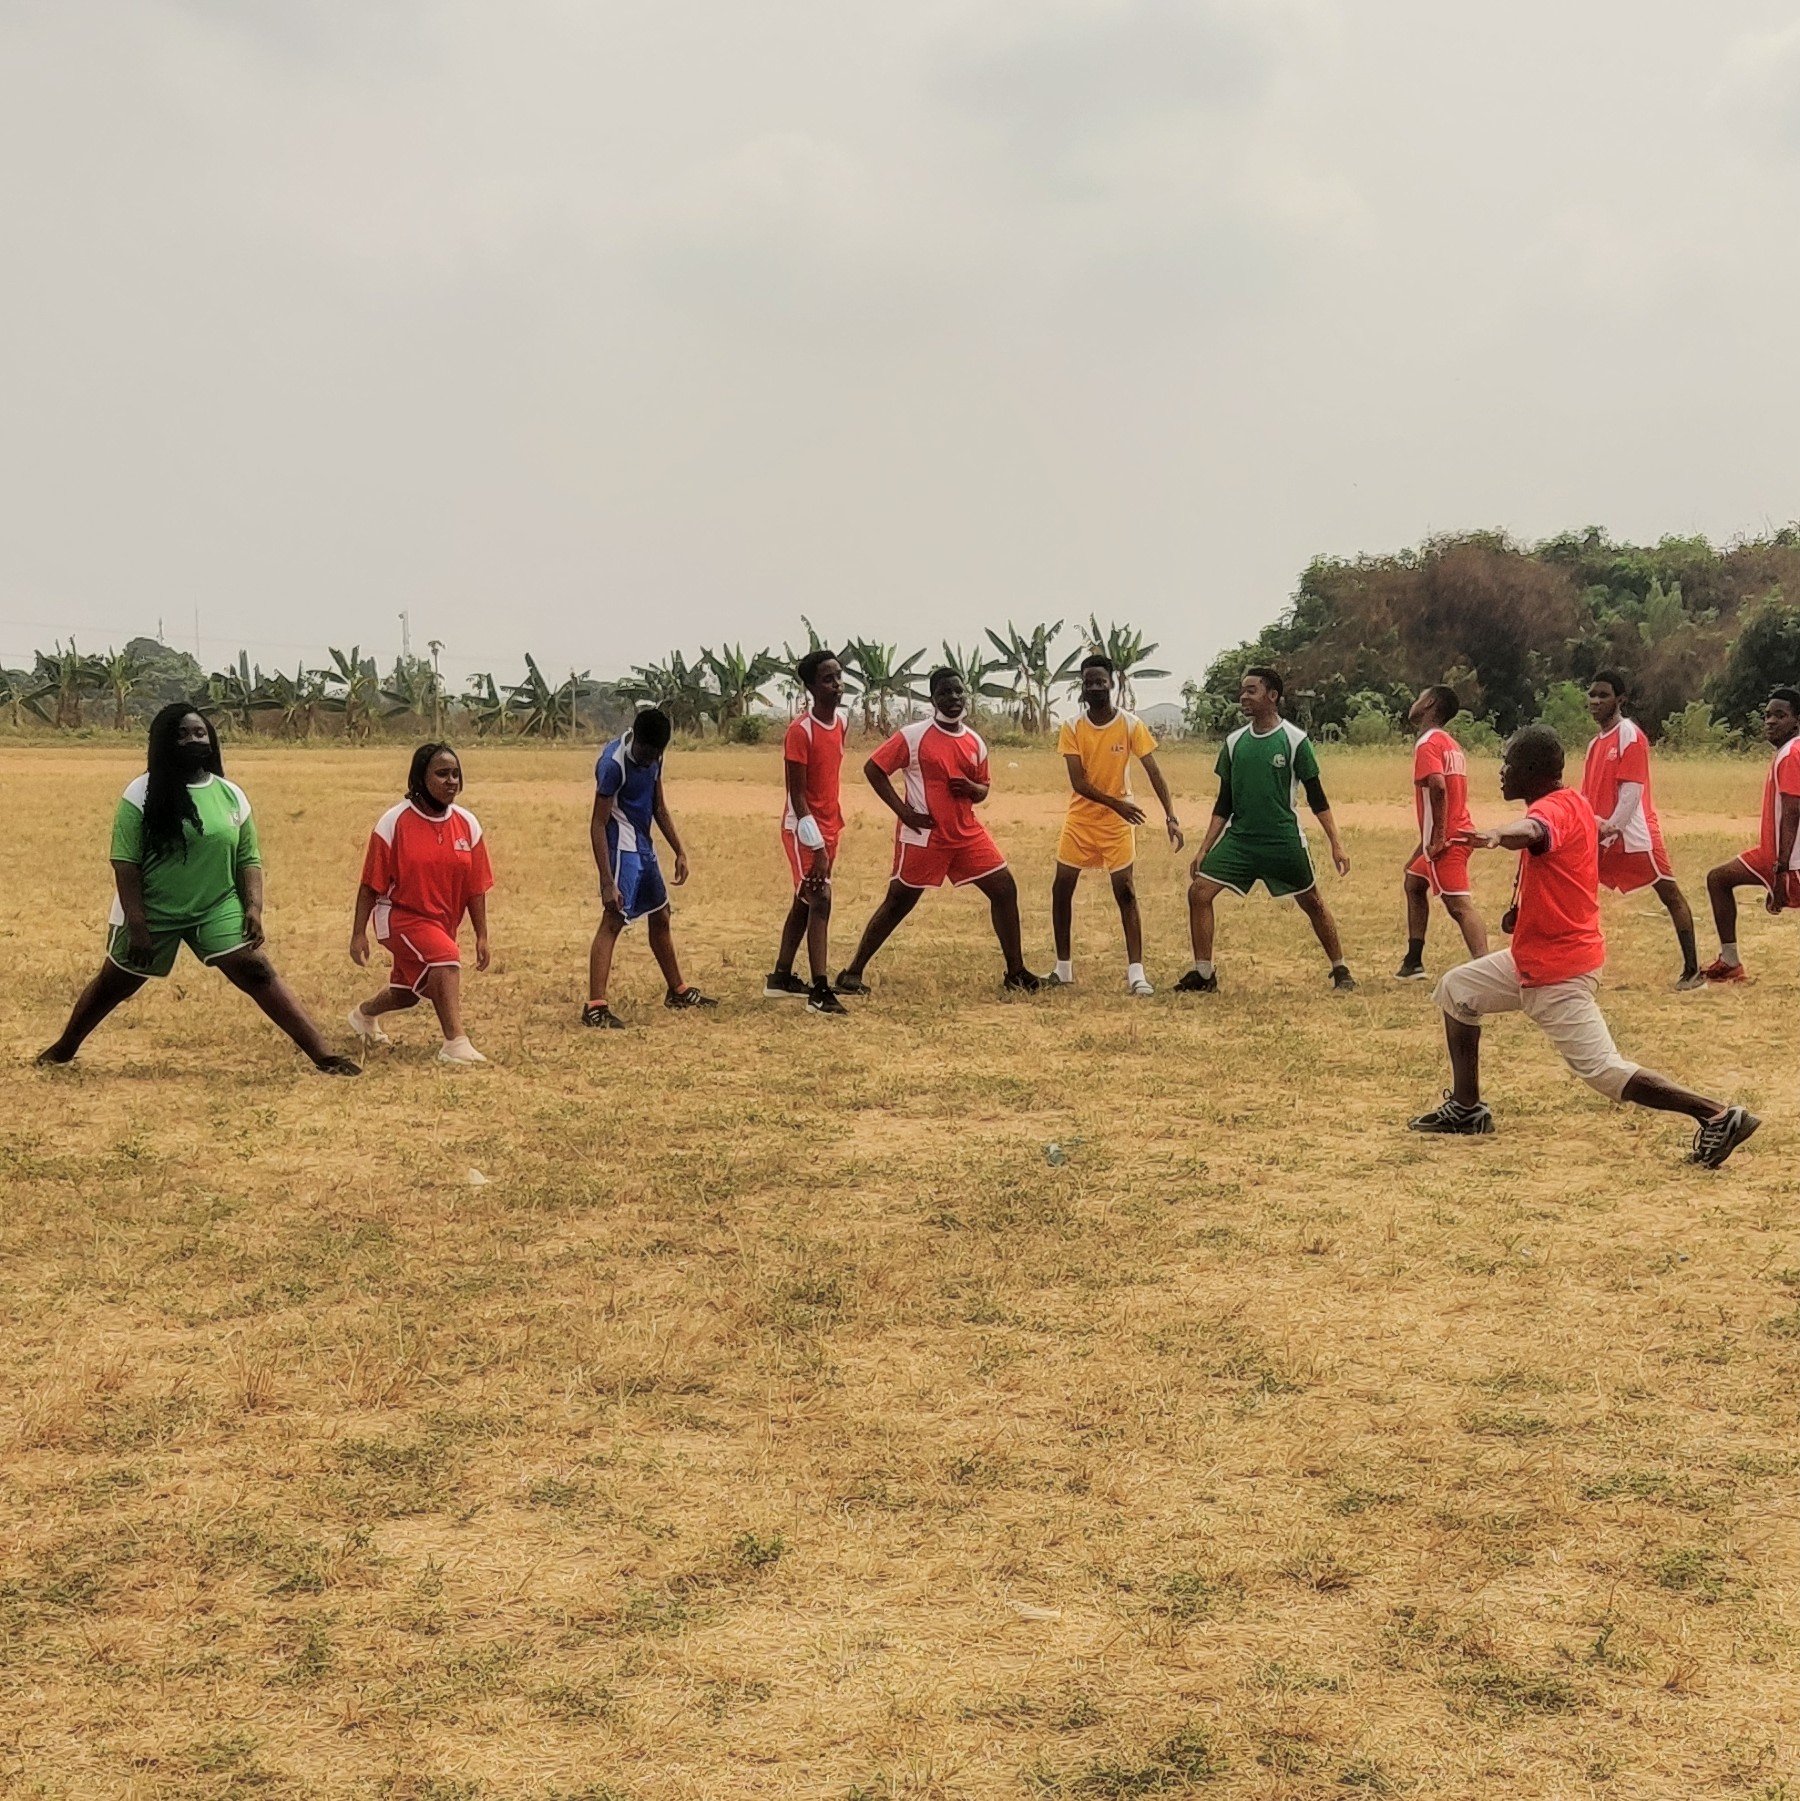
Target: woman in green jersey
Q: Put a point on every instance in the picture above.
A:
(188, 871)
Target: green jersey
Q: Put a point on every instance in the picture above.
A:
(183, 886)
(1266, 772)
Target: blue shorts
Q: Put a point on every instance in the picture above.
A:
(640, 879)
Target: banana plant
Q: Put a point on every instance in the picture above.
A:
(739, 680)
(351, 688)
(975, 669)
(885, 679)
(22, 692)
(1028, 657)
(70, 677)
(233, 693)
(543, 711)
(678, 687)
(485, 706)
(1125, 646)
(413, 689)
(120, 673)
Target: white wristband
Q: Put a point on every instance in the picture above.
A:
(806, 829)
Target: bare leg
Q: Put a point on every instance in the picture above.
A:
(1462, 908)
(389, 1000)
(895, 905)
(1721, 884)
(1003, 904)
(662, 948)
(443, 988)
(1312, 904)
(107, 990)
(1681, 917)
(1649, 1089)
(818, 934)
(1418, 905)
(1464, 1044)
(1062, 909)
(600, 957)
(1125, 893)
(793, 929)
(1202, 892)
(253, 974)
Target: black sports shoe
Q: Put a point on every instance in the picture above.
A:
(601, 1017)
(820, 999)
(779, 987)
(1410, 971)
(1022, 981)
(1342, 981)
(338, 1066)
(1195, 983)
(679, 1000)
(1454, 1120)
(1718, 1138)
(849, 984)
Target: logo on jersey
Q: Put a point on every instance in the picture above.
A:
(1280, 761)
(461, 844)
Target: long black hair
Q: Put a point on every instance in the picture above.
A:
(168, 806)
(416, 791)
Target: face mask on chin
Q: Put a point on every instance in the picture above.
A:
(952, 720)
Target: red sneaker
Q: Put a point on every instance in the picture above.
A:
(1720, 971)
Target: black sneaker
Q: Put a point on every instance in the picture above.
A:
(1410, 971)
(341, 1066)
(779, 987)
(849, 984)
(1454, 1120)
(1718, 1138)
(1195, 983)
(820, 999)
(1342, 981)
(679, 1000)
(601, 1017)
(1022, 981)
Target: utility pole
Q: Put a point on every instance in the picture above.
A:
(405, 636)
(437, 688)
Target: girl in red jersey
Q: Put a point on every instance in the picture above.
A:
(427, 865)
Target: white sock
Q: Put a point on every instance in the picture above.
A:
(1728, 954)
(1134, 972)
(1065, 969)
(1202, 969)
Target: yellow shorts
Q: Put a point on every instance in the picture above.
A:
(1084, 846)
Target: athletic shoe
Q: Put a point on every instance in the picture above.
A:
(601, 1017)
(1689, 980)
(1195, 983)
(365, 1028)
(820, 999)
(1342, 981)
(1718, 1138)
(459, 1051)
(779, 987)
(1021, 981)
(338, 1066)
(1139, 987)
(1410, 971)
(849, 984)
(1453, 1119)
(48, 1059)
(1718, 970)
(680, 1000)
(1053, 980)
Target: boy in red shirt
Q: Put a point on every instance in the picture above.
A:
(1616, 781)
(811, 824)
(938, 838)
(1553, 968)
(426, 866)
(1441, 865)
(1774, 860)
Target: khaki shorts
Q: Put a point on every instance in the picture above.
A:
(1565, 1012)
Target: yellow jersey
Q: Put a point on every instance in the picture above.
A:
(1105, 752)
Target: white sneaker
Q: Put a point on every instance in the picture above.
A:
(1139, 987)
(365, 1028)
(460, 1050)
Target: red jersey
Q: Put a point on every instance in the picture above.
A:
(1557, 934)
(930, 755)
(425, 868)
(821, 749)
(1437, 753)
(1783, 779)
(1614, 758)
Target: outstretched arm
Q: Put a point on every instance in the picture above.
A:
(1522, 834)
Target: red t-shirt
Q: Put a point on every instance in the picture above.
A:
(425, 868)
(821, 749)
(1557, 934)
(1783, 778)
(1614, 758)
(930, 756)
(1437, 753)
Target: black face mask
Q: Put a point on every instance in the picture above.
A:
(195, 756)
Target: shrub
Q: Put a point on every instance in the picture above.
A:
(1694, 730)
(750, 729)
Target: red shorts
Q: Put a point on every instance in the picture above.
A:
(1762, 866)
(931, 865)
(800, 859)
(1626, 871)
(1448, 875)
(418, 946)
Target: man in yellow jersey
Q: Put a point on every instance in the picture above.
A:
(1098, 832)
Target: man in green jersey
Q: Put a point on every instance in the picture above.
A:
(1254, 834)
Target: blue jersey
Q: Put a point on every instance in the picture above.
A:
(631, 786)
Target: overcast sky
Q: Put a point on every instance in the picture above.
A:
(597, 328)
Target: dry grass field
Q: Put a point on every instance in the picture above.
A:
(1076, 1398)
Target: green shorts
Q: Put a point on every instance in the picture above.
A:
(217, 935)
(1283, 867)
